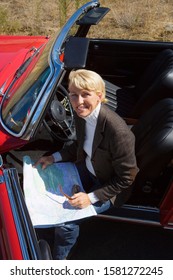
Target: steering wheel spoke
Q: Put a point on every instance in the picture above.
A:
(60, 120)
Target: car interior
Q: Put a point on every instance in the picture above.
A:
(142, 101)
(139, 87)
(154, 84)
(150, 115)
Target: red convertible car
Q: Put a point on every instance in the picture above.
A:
(36, 118)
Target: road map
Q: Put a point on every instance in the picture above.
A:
(43, 189)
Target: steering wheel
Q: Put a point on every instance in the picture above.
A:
(59, 121)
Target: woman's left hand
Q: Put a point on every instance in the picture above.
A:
(80, 200)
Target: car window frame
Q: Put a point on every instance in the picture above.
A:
(57, 72)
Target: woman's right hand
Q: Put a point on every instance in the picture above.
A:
(44, 161)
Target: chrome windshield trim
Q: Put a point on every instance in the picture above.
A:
(1, 161)
(34, 108)
(27, 238)
(57, 72)
(57, 65)
(65, 30)
(1, 179)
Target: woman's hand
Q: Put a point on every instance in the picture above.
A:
(44, 161)
(80, 200)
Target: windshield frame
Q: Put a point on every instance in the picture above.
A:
(57, 72)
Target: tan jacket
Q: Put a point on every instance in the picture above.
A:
(113, 155)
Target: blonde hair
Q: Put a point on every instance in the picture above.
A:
(88, 80)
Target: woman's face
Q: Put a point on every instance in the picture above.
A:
(83, 101)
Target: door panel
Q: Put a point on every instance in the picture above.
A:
(9, 241)
(120, 61)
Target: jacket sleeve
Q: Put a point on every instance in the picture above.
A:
(122, 167)
(69, 152)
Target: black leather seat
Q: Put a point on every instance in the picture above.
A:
(155, 84)
(154, 146)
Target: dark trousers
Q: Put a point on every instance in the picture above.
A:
(66, 235)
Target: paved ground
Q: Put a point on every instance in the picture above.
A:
(101, 240)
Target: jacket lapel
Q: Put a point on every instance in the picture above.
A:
(99, 129)
(82, 133)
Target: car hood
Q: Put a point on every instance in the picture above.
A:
(14, 50)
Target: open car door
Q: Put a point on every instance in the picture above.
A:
(18, 240)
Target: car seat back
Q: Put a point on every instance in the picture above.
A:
(155, 84)
(154, 141)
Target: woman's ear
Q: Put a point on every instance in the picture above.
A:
(99, 95)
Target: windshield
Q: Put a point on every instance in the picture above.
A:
(26, 98)
(20, 97)
(19, 101)
(16, 112)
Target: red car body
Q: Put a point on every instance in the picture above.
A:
(14, 50)
(16, 231)
(8, 234)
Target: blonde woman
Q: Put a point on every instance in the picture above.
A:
(104, 154)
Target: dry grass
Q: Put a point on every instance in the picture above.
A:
(130, 19)
(140, 19)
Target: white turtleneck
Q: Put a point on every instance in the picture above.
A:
(91, 122)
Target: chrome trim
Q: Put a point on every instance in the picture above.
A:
(57, 65)
(141, 219)
(34, 108)
(65, 30)
(169, 228)
(129, 220)
(56, 75)
(1, 179)
(141, 208)
(1, 161)
(25, 231)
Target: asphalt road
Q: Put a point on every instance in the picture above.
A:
(107, 240)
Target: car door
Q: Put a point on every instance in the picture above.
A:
(18, 240)
(9, 241)
(122, 62)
